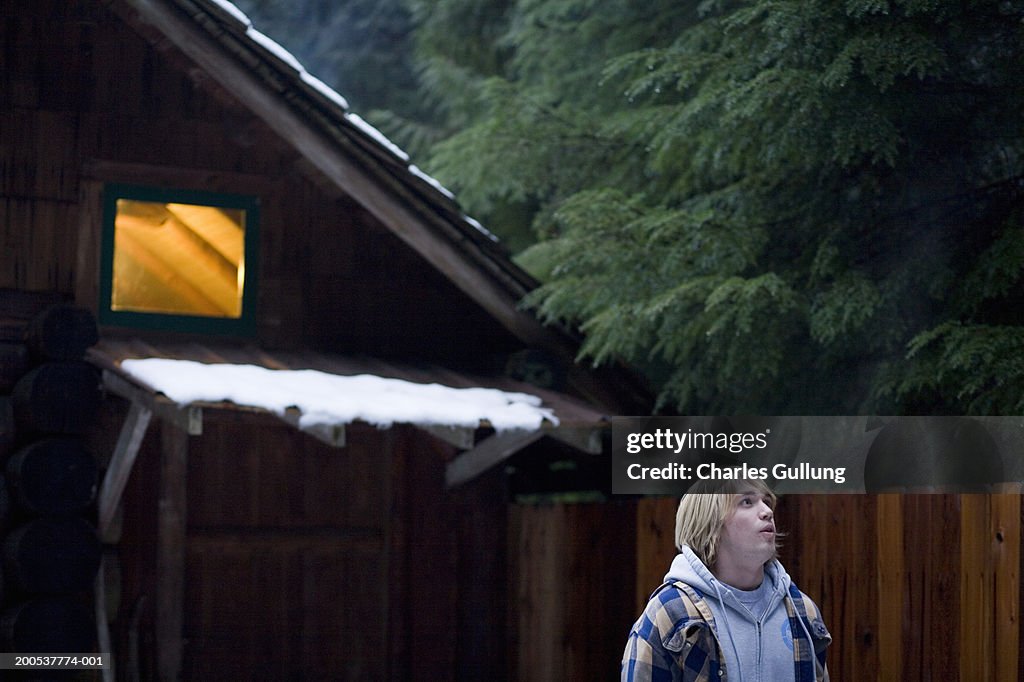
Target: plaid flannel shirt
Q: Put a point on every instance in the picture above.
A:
(675, 639)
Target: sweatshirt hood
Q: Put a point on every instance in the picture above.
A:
(688, 568)
(731, 618)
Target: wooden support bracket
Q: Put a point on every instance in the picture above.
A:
(114, 481)
(188, 418)
(583, 438)
(488, 453)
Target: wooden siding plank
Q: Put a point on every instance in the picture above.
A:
(398, 512)
(852, 592)
(891, 584)
(932, 606)
(1005, 531)
(655, 544)
(39, 239)
(976, 589)
(89, 238)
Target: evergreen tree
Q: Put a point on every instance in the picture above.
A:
(777, 206)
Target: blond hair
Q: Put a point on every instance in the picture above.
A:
(703, 511)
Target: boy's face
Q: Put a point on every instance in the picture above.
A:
(748, 535)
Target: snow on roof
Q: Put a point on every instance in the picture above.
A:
(330, 399)
(359, 122)
(324, 89)
(473, 222)
(274, 48)
(415, 170)
(233, 10)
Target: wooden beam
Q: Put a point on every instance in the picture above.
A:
(460, 437)
(129, 173)
(170, 560)
(132, 432)
(188, 418)
(487, 453)
(583, 438)
(332, 434)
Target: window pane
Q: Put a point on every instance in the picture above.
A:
(175, 258)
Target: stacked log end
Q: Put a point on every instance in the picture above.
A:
(50, 552)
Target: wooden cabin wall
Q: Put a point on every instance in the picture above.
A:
(85, 100)
(912, 587)
(309, 562)
(285, 555)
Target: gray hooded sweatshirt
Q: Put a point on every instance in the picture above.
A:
(752, 627)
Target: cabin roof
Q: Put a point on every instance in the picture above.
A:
(486, 428)
(110, 354)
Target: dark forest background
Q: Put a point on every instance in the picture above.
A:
(775, 207)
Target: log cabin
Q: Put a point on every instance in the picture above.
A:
(180, 178)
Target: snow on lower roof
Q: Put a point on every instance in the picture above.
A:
(329, 399)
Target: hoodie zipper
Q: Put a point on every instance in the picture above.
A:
(759, 650)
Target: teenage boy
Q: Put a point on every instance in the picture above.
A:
(727, 609)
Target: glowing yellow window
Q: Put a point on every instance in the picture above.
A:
(176, 256)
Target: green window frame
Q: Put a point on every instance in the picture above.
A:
(178, 252)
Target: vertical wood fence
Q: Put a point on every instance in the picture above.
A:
(912, 587)
(572, 569)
